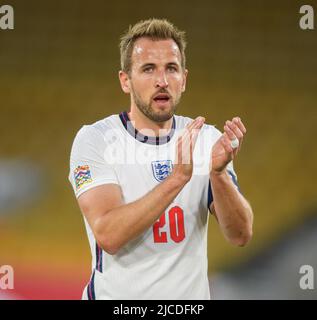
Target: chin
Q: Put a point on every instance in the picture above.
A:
(162, 116)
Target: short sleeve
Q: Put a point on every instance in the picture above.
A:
(88, 166)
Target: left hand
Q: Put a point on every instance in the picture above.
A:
(222, 151)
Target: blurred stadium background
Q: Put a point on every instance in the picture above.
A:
(248, 58)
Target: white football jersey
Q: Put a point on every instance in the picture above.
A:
(169, 260)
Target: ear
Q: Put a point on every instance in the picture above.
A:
(124, 81)
(185, 73)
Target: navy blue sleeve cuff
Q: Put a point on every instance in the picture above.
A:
(210, 196)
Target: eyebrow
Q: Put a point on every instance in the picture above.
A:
(173, 64)
(147, 65)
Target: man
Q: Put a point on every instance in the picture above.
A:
(145, 202)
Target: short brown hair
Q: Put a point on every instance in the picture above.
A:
(155, 29)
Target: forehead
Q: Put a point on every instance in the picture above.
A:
(146, 50)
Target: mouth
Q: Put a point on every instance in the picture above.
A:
(162, 99)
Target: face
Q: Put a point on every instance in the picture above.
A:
(156, 80)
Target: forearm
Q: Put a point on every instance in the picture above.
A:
(233, 212)
(123, 224)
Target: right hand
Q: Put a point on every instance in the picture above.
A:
(183, 167)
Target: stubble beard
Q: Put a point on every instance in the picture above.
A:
(147, 110)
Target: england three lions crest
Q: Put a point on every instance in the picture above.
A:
(161, 169)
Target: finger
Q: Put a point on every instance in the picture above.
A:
(196, 129)
(194, 123)
(188, 139)
(239, 131)
(229, 133)
(185, 149)
(239, 123)
(178, 150)
(194, 135)
(235, 129)
(230, 139)
(226, 143)
(193, 127)
(186, 132)
(195, 132)
(193, 140)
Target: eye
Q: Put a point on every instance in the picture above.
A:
(171, 68)
(148, 69)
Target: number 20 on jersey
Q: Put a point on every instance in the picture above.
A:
(175, 228)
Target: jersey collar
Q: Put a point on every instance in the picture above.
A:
(142, 138)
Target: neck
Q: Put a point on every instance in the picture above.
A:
(147, 126)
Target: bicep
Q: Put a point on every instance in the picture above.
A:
(98, 201)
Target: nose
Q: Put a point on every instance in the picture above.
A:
(161, 81)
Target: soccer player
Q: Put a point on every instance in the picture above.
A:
(146, 179)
